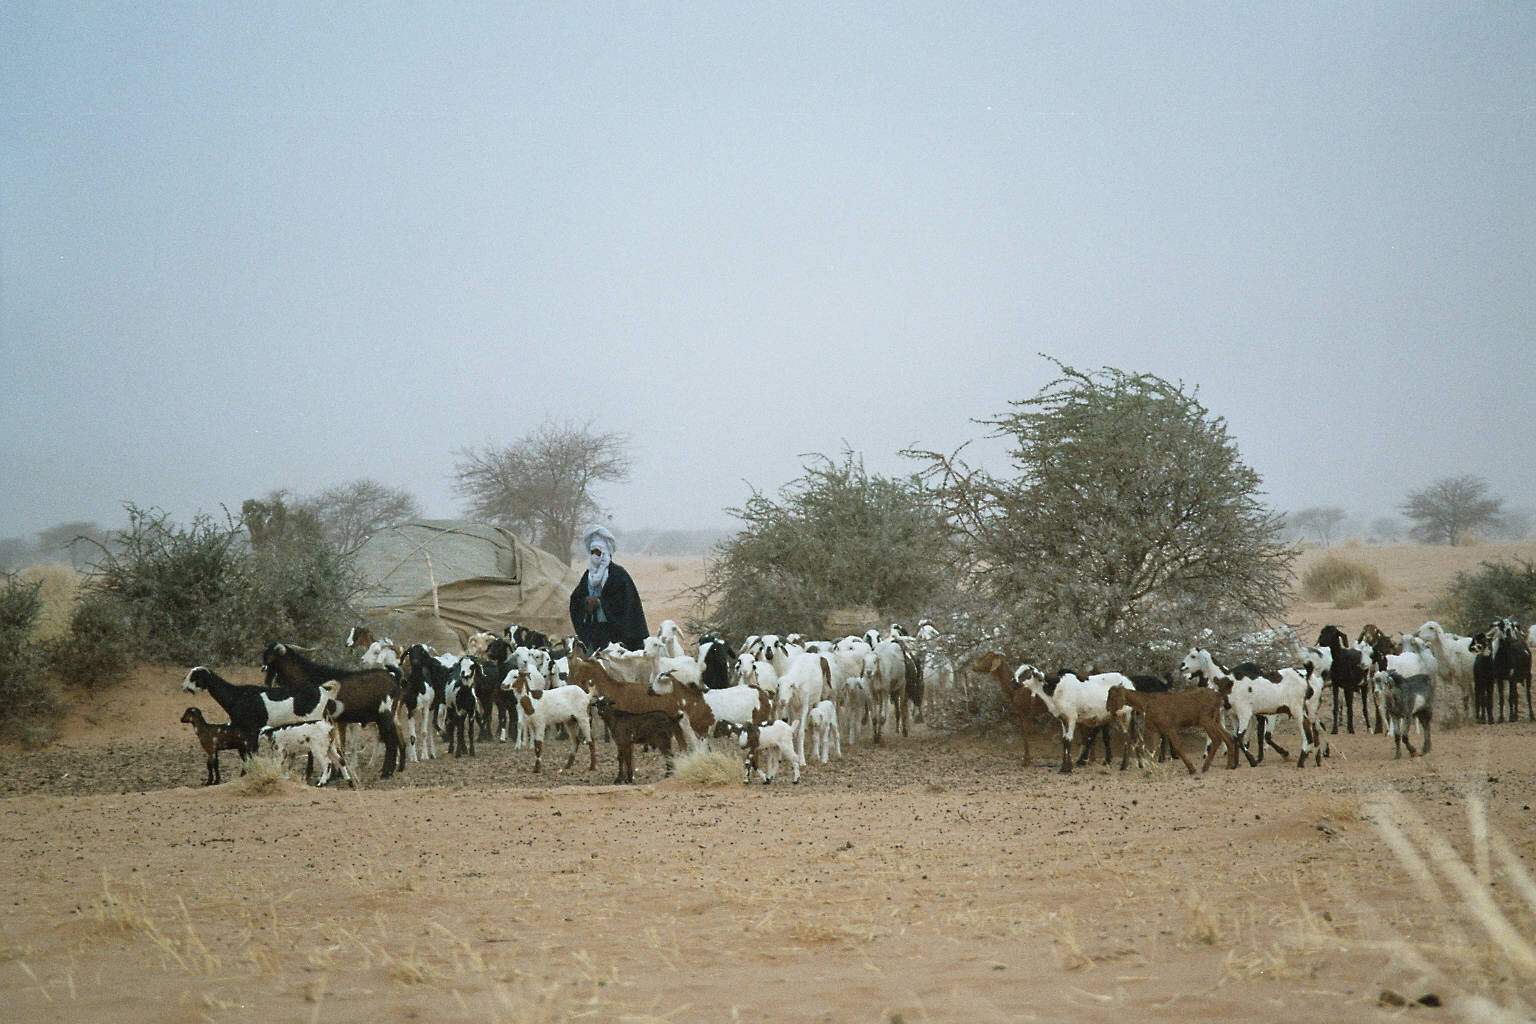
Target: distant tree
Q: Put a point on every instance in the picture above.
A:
(1451, 509)
(1387, 529)
(352, 512)
(1127, 525)
(277, 522)
(836, 538)
(78, 540)
(542, 485)
(1320, 521)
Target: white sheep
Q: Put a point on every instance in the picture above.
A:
(824, 732)
(805, 680)
(774, 742)
(671, 639)
(319, 740)
(381, 654)
(856, 708)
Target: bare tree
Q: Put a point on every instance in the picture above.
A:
(1128, 526)
(352, 512)
(1320, 521)
(1451, 509)
(1387, 529)
(541, 485)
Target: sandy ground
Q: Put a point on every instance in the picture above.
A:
(936, 879)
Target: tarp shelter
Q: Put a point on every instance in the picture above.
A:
(485, 578)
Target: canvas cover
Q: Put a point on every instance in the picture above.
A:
(486, 578)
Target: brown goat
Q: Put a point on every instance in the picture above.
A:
(1167, 713)
(215, 738)
(1024, 705)
(659, 729)
(369, 696)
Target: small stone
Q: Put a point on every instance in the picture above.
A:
(1390, 998)
(1429, 999)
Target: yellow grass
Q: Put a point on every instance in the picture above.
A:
(1345, 582)
(704, 767)
(61, 585)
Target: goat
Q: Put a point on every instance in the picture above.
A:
(462, 706)
(636, 698)
(1347, 674)
(1020, 699)
(252, 708)
(886, 670)
(715, 659)
(774, 741)
(424, 686)
(564, 705)
(1407, 699)
(215, 738)
(1512, 665)
(1167, 713)
(671, 639)
(1285, 693)
(382, 654)
(1199, 667)
(368, 696)
(652, 728)
(824, 735)
(319, 740)
(522, 636)
(1483, 678)
(1455, 658)
(1072, 700)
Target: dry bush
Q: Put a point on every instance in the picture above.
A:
(702, 766)
(264, 776)
(60, 585)
(28, 702)
(1340, 580)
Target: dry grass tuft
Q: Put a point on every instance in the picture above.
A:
(264, 776)
(1203, 926)
(705, 767)
(1346, 583)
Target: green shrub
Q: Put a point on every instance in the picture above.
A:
(28, 700)
(200, 592)
(1347, 584)
(1495, 590)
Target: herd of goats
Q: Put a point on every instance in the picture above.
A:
(767, 697)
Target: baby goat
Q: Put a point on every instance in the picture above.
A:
(1167, 713)
(652, 728)
(215, 738)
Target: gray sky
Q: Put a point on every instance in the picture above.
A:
(255, 246)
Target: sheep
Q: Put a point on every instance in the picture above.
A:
(886, 670)
(479, 644)
(775, 741)
(1512, 665)
(824, 734)
(804, 682)
(215, 738)
(645, 665)
(653, 728)
(1347, 674)
(319, 740)
(251, 708)
(462, 706)
(1167, 713)
(1072, 700)
(1455, 658)
(1405, 699)
(564, 705)
(368, 696)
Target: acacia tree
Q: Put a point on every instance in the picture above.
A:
(1320, 522)
(1451, 509)
(352, 512)
(836, 538)
(1127, 525)
(541, 485)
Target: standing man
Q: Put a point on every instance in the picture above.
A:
(605, 606)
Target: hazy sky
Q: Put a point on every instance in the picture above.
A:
(250, 246)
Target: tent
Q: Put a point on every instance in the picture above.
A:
(438, 580)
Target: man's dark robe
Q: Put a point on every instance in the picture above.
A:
(621, 606)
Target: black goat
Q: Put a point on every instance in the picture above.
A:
(1348, 675)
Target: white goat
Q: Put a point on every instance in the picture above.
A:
(1289, 694)
(1072, 700)
(824, 732)
(671, 639)
(319, 740)
(381, 654)
(773, 742)
(1455, 658)
(564, 705)
(856, 708)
